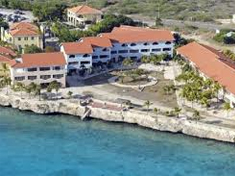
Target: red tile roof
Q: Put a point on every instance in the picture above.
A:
(23, 28)
(86, 44)
(77, 47)
(97, 42)
(7, 51)
(129, 34)
(40, 59)
(4, 59)
(83, 10)
(207, 60)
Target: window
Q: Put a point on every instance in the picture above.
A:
(145, 50)
(32, 77)
(133, 44)
(156, 50)
(57, 68)
(145, 44)
(124, 45)
(85, 62)
(44, 68)
(86, 55)
(105, 49)
(103, 56)
(19, 78)
(19, 38)
(134, 51)
(59, 76)
(26, 38)
(166, 49)
(113, 52)
(133, 57)
(71, 56)
(155, 43)
(168, 43)
(123, 51)
(73, 63)
(32, 69)
(32, 38)
(45, 77)
(94, 57)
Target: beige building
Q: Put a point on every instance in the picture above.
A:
(83, 15)
(41, 68)
(22, 34)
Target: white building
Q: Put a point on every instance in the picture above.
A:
(83, 15)
(122, 42)
(40, 68)
(213, 64)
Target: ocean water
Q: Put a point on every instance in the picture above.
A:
(60, 145)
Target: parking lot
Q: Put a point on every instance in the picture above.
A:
(16, 16)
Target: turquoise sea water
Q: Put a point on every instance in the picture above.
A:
(35, 145)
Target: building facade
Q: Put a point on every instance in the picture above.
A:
(122, 42)
(41, 68)
(83, 15)
(22, 34)
(212, 64)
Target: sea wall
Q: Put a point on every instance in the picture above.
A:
(161, 123)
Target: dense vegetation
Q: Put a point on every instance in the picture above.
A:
(109, 22)
(223, 38)
(177, 9)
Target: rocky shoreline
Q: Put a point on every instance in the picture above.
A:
(155, 122)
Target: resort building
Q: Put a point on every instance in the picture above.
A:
(123, 42)
(22, 34)
(83, 15)
(86, 52)
(213, 64)
(41, 68)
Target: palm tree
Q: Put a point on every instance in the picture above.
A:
(7, 82)
(147, 104)
(53, 85)
(227, 107)
(216, 89)
(38, 91)
(127, 62)
(21, 87)
(145, 59)
(5, 69)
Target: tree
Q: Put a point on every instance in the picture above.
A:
(127, 62)
(21, 87)
(30, 49)
(7, 82)
(145, 59)
(3, 24)
(158, 22)
(5, 69)
(38, 91)
(147, 104)
(53, 85)
(227, 107)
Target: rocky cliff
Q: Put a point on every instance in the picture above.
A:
(161, 123)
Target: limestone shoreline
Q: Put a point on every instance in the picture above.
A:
(155, 122)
